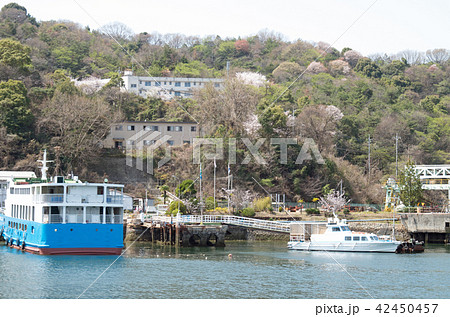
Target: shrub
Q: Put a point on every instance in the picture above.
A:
(209, 202)
(248, 212)
(262, 204)
(173, 208)
(312, 211)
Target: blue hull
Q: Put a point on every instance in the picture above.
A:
(71, 238)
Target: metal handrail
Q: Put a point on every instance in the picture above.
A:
(226, 219)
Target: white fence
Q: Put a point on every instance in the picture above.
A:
(225, 219)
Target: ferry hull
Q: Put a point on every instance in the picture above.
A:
(383, 247)
(70, 251)
(70, 238)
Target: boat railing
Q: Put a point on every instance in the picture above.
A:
(114, 199)
(77, 199)
(78, 218)
(49, 198)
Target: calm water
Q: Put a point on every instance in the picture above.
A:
(256, 270)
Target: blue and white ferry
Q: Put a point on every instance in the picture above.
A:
(60, 215)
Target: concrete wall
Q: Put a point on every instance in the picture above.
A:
(431, 223)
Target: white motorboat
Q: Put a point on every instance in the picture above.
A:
(336, 236)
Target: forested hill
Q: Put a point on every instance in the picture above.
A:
(338, 98)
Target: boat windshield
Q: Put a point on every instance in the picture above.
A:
(374, 238)
(345, 228)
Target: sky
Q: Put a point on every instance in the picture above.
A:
(368, 26)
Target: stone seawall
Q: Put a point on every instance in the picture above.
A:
(380, 229)
(241, 233)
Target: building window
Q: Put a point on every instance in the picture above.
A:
(140, 82)
(178, 128)
(151, 128)
(195, 84)
(177, 93)
(216, 85)
(148, 83)
(149, 142)
(130, 128)
(187, 84)
(130, 142)
(119, 128)
(157, 84)
(133, 85)
(193, 129)
(170, 128)
(165, 83)
(177, 84)
(118, 144)
(170, 142)
(186, 142)
(170, 83)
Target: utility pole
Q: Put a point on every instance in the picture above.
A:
(369, 140)
(396, 155)
(201, 196)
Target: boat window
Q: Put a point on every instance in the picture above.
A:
(345, 228)
(356, 238)
(348, 238)
(336, 229)
(364, 238)
(374, 238)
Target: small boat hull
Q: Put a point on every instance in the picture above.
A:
(379, 246)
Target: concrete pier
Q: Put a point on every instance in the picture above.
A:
(172, 234)
(431, 228)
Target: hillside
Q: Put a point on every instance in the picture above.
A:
(310, 90)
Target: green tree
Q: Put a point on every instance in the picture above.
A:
(176, 207)
(14, 54)
(15, 112)
(272, 118)
(115, 81)
(411, 192)
(164, 189)
(186, 190)
(368, 68)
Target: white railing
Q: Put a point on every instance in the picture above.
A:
(77, 199)
(225, 219)
(114, 199)
(49, 198)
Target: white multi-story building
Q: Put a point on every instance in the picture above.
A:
(166, 87)
(146, 133)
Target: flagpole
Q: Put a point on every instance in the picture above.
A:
(201, 197)
(215, 182)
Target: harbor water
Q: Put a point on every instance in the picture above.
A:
(249, 269)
